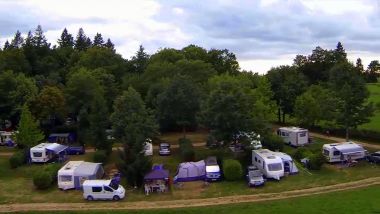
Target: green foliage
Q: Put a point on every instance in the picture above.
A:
(28, 134)
(316, 161)
(100, 156)
(232, 170)
(17, 159)
(42, 179)
(273, 142)
(49, 103)
(186, 150)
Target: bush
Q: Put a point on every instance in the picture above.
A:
(186, 149)
(273, 142)
(232, 170)
(316, 161)
(42, 179)
(52, 169)
(17, 159)
(302, 153)
(100, 156)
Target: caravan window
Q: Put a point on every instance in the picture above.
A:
(37, 154)
(256, 159)
(285, 134)
(97, 189)
(326, 152)
(303, 134)
(65, 178)
(274, 167)
(336, 153)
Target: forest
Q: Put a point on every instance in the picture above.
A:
(83, 85)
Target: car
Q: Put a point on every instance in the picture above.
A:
(102, 190)
(255, 177)
(374, 157)
(164, 149)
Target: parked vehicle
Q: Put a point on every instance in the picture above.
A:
(164, 149)
(294, 136)
(6, 139)
(47, 152)
(213, 172)
(255, 177)
(374, 157)
(268, 163)
(342, 152)
(67, 139)
(102, 190)
(74, 173)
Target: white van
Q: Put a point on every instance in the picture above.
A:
(294, 136)
(268, 163)
(102, 190)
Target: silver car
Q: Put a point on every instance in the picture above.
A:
(255, 177)
(164, 149)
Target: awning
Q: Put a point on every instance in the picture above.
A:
(352, 150)
(159, 174)
(57, 148)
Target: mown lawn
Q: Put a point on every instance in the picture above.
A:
(374, 124)
(16, 185)
(363, 201)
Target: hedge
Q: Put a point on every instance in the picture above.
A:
(273, 142)
(17, 159)
(100, 156)
(232, 170)
(43, 178)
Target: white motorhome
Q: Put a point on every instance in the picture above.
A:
(294, 136)
(102, 190)
(271, 165)
(45, 152)
(346, 151)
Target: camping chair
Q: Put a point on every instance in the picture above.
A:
(162, 188)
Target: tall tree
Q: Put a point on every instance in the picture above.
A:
(6, 45)
(39, 40)
(28, 134)
(352, 94)
(17, 41)
(133, 123)
(179, 103)
(81, 41)
(98, 119)
(98, 40)
(340, 54)
(110, 45)
(359, 66)
(140, 60)
(373, 71)
(66, 39)
(223, 61)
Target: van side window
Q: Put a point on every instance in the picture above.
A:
(326, 152)
(303, 134)
(336, 153)
(96, 189)
(256, 159)
(108, 189)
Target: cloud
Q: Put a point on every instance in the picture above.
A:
(261, 33)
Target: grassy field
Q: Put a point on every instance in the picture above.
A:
(353, 201)
(374, 124)
(16, 185)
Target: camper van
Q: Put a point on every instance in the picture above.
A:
(346, 151)
(74, 173)
(294, 136)
(102, 190)
(213, 172)
(268, 163)
(46, 152)
(6, 139)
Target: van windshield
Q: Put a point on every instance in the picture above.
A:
(114, 185)
(274, 167)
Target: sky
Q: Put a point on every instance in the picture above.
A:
(262, 34)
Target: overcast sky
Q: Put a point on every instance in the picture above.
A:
(262, 34)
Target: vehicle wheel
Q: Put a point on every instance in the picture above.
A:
(90, 198)
(116, 198)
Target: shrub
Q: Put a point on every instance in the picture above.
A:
(42, 179)
(52, 169)
(100, 156)
(17, 159)
(232, 170)
(273, 142)
(316, 161)
(186, 149)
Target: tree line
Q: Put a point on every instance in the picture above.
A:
(84, 85)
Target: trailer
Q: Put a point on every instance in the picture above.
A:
(294, 136)
(343, 152)
(271, 165)
(48, 152)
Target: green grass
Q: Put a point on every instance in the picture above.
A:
(374, 124)
(362, 201)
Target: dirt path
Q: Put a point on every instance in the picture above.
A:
(338, 139)
(125, 205)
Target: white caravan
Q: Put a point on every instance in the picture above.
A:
(294, 136)
(45, 152)
(271, 165)
(346, 151)
(102, 190)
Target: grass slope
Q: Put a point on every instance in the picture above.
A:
(374, 124)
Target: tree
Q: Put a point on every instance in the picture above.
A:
(179, 103)
(133, 123)
(140, 61)
(98, 123)
(193, 52)
(359, 66)
(17, 41)
(340, 54)
(39, 40)
(110, 45)
(223, 61)
(6, 45)
(372, 71)
(98, 40)
(28, 134)
(66, 40)
(353, 107)
(81, 41)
